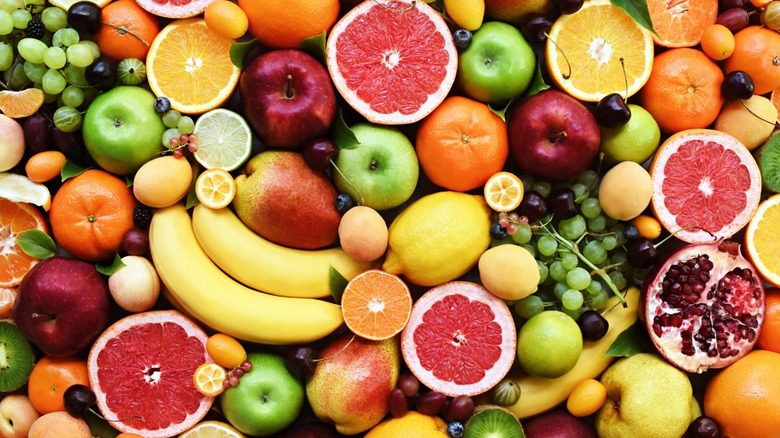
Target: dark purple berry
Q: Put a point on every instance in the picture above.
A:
(568, 6)
(78, 399)
(136, 241)
(561, 203)
(535, 27)
(703, 427)
(142, 216)
(84, 16)
(455, 429)
(533, 206)
(300, 361)
(35, 29)
(460, 408)
(37, 132)
(592, 325)
(162, 105)
(631, 232)
(612, 111)
(431, 402)
(737, 85)
(642, 254)
(497, 231)
(397, 403)
(462, 38)
(101, 74)
(409, 384)
(344, 202)
(319, 152)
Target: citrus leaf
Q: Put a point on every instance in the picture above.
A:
(537, 83)
(337, 283)
(342, 134)
(631, 341)
(71, 169)
(36, 243)
(315, 46)
(637, 9)
(500, 112)
(238, 51)
(115, 265)
(192, 196)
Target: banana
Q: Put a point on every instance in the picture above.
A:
(223, 304)
(264, 265)
(539, 394)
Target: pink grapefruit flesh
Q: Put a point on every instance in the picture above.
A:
(174, 8)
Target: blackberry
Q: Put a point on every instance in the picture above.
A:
(142, 216)
(35, 29)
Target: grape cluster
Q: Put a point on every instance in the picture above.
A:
(409, 394)
(180, 129)
(234, 375)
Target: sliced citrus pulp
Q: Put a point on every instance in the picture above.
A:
(599, 50)
(18, 104)
(141, 369)
(405, 71)
(215, 188)
(224, 140)
(15, 219)
(174, 8)
(706, 185)
(762, 240)
(19, 188)
(504, 191)
(209, 379)
(190, 65)
(681, 23)
(7, 298)
(376, 305)
(460, 339)
(212, 429)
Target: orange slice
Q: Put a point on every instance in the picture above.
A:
(762, 240)
(376, 305)
(190, 65)
(18, 104)
(209, 379)
(585, 58)
(681, 23)
(215, 188)
(504, 191)
(15, 219)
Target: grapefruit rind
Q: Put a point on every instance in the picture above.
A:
(388, 61)
(97, 376)
(471, 320)
(701, 232)
(173, 10)
(769, 235)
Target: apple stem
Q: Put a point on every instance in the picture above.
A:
(123, 30)
(347, 181)
(568, 64)
(288, 93)
(336, 353)
(555, 138)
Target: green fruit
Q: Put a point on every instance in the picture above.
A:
(506, 393)
(635, 141)
(17, 357)
(549, 344)
(769, 163)
(493, 422)
(131, 71)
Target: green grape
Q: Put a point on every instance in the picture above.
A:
(54, 18)
(93, 47)
(588, 178)
(65, 37)
(72, 96)
(618, 279)
(21, 17)
(580, 192)
(609, 242)
(6, 22)
(35, 6)
(544, 271)
(572, 299)
(527, 180)
(617, 229)
(15, 77)
(79, 55)
(6, 56)
(597, 224)
(572, 228)
(186, 125)
(523, 234)
(574, 314)
(594, 287)
(557, 271)
(594, 252)
(598, 300)
(569, 261)
(578, 278)
(53, 82)
(559, 289)
(590, 208)
(47, 98)
(54, 57)
(67, 119)
(31, 49)
(529, 306)
(543, 187)
(547, 245)
(618, 257)
(75, 76)
(11, 5)
(35, 71)
(171, 118)
(169, 134)
(529, 248)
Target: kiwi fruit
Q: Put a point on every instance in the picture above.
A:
(769, 163)
(491, 421)
(16, 357)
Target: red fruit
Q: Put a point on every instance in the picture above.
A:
(704, 306)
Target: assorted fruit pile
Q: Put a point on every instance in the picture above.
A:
(389, 218)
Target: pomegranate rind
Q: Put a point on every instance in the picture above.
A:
(394, 59)
(174, 9)
(454, 316)
(709, 191)
(725, 257)
(183, 383)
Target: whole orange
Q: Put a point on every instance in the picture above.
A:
(283, 25)
(461, 144)
(744, 398)
(769, 337)
(91, 213)
(757, 53)
(127, 30)
(49, 379)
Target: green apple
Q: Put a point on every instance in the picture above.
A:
(380, 170)
(266, 400)
(498, 65)
(121, 129)
(635, 141)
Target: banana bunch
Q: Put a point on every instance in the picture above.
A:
(206, 293)
(264, 265)
(539, 394)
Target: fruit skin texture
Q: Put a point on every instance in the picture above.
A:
(636, 141)
(59, 424)
(745, 397)
(284, 200)
(757, 53)
(363, 234)
(162, 181)
(136, 286)
(17, 414)
(769, 338)
(746, 124)
(509, 272)
(646, 396)
(74, 299)
(286, 25)
(411, 424)
(12, 143)
(557, 424)
(534, 336)
(625, 191)
(515, 11)
(352, 387)
(467, 14)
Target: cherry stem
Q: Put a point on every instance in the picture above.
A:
(684, 229)
(336, 353)
(568, 64)
(347, 181)
(122, 420)
(742, 101)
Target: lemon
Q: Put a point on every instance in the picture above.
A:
(509, 272)
(411, 425)
(438, 237)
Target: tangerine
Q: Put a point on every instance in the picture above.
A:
(91, 213)
(769, 337)
(15, 219)
(226, 19)
(127, 31)
(757, 53)
(45, 166)
(717, 42)
(49, 379)
(284, 25)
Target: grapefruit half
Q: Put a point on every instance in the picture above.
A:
(174, 8)
(141, 370)
(392, 62)
(706, 185)
(460, 339)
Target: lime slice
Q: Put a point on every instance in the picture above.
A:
(224, 140)
(19, 188)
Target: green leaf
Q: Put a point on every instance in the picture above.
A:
(71, 169)
(192, 197)
(238, 51)
(315, 46)
(501, 112)
(343, 137)
(637, 9)
(36, 243)
(631, 341)
(115, 265)
(337, 283)
(537, 83)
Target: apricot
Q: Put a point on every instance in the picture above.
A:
(625, 191)
(363, 234)
(162, 181)
(59, 424)
(750, 121)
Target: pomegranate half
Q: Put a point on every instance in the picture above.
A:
(704, 306)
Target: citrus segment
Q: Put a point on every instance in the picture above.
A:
(599, 50)
(18, 104)
(376, 305)
(190, 65)
(209, 379)
(775, 98)
(175, 8)
(212, 429)
(224, 140)
(504, 191)
(15, 219)
(392, 62)
(762, 240)
(706, 185)
(7, 298)
(460, 339)
(681, 23)
(19, 188)
(215, 188)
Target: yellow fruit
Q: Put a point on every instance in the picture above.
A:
(750, 121)
(586, 398)
(625, 191)
(411, 425)
(467, 14)
(225, 350)
(509, 272)
(162, 181)
(438, 237)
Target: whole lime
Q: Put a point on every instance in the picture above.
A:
(635, 141)
(549, 344)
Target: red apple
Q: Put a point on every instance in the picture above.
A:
(553, 136)
(62, 305)
(288, 98)
(557, 424)
(17, 415)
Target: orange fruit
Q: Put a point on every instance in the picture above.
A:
(461, 144)
(209, 379)
(769, 336)
(49, 379)
(23, 103)
(648, 226)
(586, 398)
(757, 53)
(190, 65)
(225, 350)
(744, 398)
(599, 50)
(717, 42)
(683, 91)
(681, 24)
(127, 32)
(15, 219)
(128, 435)
(504, 191)
(762, 240)
(45, 166)
(376, 305)
(226, 19)
(7, 297)
(283, 25)
(91, 213)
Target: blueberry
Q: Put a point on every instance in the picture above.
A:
(162, 105)
(462, 38)
(631, 232)
(344, 202)
(497, 231)
(455, 429)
